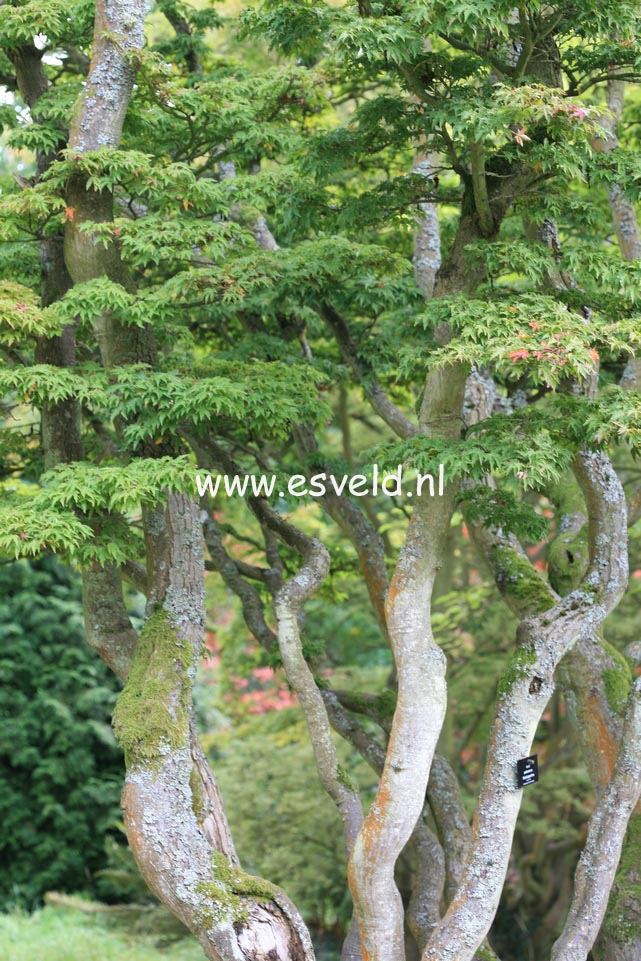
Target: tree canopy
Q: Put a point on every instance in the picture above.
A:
(306, 238)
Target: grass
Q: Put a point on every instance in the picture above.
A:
(61, 934)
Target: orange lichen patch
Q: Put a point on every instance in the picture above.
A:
(396, 587)
(606, 748)
(375, 820)
(458, 901)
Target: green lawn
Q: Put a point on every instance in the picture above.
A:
(61, 934)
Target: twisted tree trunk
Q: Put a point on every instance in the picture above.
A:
(171, 805)
(543, 638)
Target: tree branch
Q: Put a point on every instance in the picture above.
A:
(226, 566)
(606, 833)
(107, 624)
(423, 910)
(420, 707)
(525, 689)
(427, 241)
(479, 186)
(386, 410)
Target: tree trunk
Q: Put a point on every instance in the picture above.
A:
(171, 806)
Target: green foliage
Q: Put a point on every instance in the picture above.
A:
(158, 403)
(63, 21)
(50, 518)
(20, 317)
(89, 487)
(60, 769)
(475, 457)
(28, 529)
(42, 384)
(274, 395)
(306, 124)
(532, 334)
(500, 508)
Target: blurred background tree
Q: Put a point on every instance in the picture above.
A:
(60, 768)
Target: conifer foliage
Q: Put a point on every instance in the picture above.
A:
(304, 238)
(60, 768)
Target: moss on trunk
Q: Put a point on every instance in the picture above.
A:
(520, 666)
(568, 560)
(623, 919)
(227, 889)
(517, 578)
(152, 712)
(616, 679)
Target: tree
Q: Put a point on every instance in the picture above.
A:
(240, 262)
(60, 769)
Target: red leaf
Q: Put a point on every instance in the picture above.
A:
(515, 355)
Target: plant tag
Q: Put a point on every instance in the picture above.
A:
(527, 770)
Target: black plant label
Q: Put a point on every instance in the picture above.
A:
(527, 770)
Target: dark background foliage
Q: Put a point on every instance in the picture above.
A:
(60, 768)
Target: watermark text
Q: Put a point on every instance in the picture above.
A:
(388, 483)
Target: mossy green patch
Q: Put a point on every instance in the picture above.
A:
(247, 215)
(386, 705)
(224, 894)
(616, 679)
(197, 794)
(567, 496)
(484, 953)
(623, 917)
(220, 905)
(568, 561)
(346, 779)
(152, 711)
(518, 580)
(379, 707)
(519, 667)
(239, 882)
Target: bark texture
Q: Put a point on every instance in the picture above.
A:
(171, 805)
(427, 235)
(287, 606)
(624, 216)
(101, 110)
(543, 639)
(420, 708)
(600, 857)
(170, 827)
